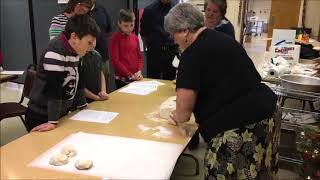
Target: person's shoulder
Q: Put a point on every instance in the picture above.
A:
(56, 46)
(152, 6)
(228, 24)
(60, 17)
(96, 54)
(132, 35)
(115, 35)
(99, 8)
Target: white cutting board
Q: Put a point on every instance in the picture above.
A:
(116, 157)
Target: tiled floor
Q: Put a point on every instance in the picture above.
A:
(12, 128)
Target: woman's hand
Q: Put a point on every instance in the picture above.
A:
(44, 127)
(173, 118)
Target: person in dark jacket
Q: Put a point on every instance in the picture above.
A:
(161, 49)
(102, 18)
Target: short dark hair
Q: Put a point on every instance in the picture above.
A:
(126, 15)
(72, 3)
(222, 5)
(82, 25)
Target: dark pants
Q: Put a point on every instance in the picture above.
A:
(34, 119)
(159, 62)
(119, 83)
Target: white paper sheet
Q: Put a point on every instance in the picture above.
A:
(11, 72)
(136, 90)
(94, 116)
(142, 88)
(116, 157)
(153, 82)
(142, 85)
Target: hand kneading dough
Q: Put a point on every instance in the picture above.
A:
(83, 164)
(167, 107)
(59, 160)
(69, 151)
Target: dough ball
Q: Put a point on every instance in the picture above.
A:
(69, 151)
(167, 107)
(59, 160)
(83, 164)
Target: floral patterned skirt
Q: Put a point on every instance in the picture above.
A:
(245, 153)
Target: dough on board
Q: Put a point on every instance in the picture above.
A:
(167, 107)
(59, 160)
(83, 164)
(69, 151)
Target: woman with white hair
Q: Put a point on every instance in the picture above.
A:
(218, 82)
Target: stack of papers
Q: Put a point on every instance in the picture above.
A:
(94, 116)
(142, 88)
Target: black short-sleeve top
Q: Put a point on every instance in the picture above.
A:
(218, 68)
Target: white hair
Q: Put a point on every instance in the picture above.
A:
(183, 16)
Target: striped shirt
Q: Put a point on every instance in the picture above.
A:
(57, 81)
(58, 24)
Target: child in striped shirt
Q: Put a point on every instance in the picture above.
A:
(57, 79)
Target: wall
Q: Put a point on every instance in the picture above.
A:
(312, 19)
(15, 28)
(15, 34)
(44, 10)
(262, 9)
(232, 15)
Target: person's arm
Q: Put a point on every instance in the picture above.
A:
(103, 83)
(54, 74)
(114, 51)
(186, 99)
(80, 101)
(103, 95)
(91, 95)
(140, 62)
(188, 85)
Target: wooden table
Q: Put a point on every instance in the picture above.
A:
(5, 78)
(16, 155)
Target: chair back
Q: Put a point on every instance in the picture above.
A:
(28, 82)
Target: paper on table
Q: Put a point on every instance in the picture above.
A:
(11, 72)
(141, 88)
(116, 157)
(142, 85)
(156, 82)
(94, 116)
(136, 90)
